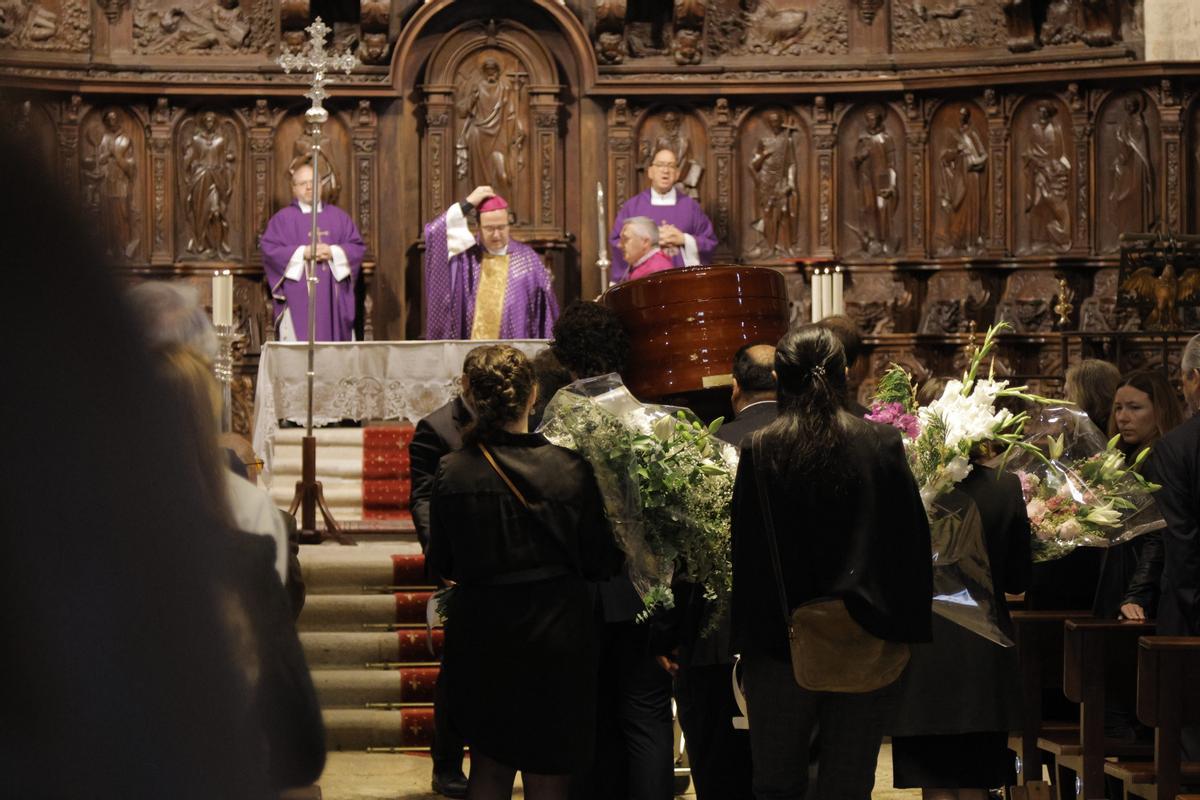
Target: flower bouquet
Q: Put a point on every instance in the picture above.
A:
(666, 481)
(1079, 491)
(940, 440)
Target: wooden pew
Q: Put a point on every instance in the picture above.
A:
(1099, 662)
(1168, 698)
(1039, 637)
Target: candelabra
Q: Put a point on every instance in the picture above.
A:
(1063, 305)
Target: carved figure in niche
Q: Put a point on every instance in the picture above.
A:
(1132, 198)
(672, 137)
(374, 48)
(302, 154)
(776, 195)
(1165, 290)
(194, 26)
(490, 150)
(1047, 183)
(208, 170)
(610, 48)
(875, 172)
(1100, 21)
(1027, 302)
(1062, 25)
(686, 46)
(26, 20)
(874, 300)
(1022, 36)
(109, 170)
(953, 299)
(1099, 312)
(962, 188)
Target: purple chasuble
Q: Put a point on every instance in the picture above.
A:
(291, 228)
(686, 215)
(451, 282)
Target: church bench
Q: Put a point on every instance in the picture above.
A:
(1099, 664)
(1039, 639)
(1168, 698)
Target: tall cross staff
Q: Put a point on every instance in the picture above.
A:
(309, 494)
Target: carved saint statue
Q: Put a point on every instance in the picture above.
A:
(1131, 199)
(673, 138)
(208, 167)
(875, 173)
(193, 25)
(775, 187)
(110, 171)
(962, 188)
(491, 142)
(23, 21)
(1047, 183)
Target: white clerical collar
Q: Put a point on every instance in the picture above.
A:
(501, 252)
(644, 258)
(307, 209)
(657, 199)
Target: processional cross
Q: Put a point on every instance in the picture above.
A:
(313, 57)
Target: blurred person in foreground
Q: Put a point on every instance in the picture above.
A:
(116, 563)
(1175, 465)
(518, 524)
(849, 525)
(1091, 385)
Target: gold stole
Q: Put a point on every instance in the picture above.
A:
(489, 300)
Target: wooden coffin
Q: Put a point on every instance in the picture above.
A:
(685, 325)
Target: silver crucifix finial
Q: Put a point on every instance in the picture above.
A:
(314, 58)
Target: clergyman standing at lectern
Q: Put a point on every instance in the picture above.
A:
(285, 247)
(491, 288)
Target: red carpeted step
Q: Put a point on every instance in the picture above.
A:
(409, 570)
(356, 688)
(338, 650)
(354, 729)
(410, 607)
(362, 612)
(385, 472)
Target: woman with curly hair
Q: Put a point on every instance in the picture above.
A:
(517, 524)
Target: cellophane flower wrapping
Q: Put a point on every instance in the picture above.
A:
(666, 482)
(1079, 491)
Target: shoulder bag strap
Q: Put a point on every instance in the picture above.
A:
(503, 476)
(764, 502)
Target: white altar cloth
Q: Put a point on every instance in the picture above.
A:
(358, 380)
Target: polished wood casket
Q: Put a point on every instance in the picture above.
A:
(685, 325)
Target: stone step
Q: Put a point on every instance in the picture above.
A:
(350, 612)
(355, 688)
(343, 650)
(358, 729)
(347, 570)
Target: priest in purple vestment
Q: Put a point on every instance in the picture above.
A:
(339, 252)
(491, 288)
(684, 232)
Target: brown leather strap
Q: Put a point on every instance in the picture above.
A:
(488, 455)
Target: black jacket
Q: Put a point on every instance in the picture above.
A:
(435, 435)
(868, 543)
(750, 419)
(1175, 464)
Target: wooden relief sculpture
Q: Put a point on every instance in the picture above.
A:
(1022, 36)
(875, 299)
(1063, 24)
(670, 133)
(875, 168)
(774, 28)
(1126, 172)
(1099, 311)
(190, 27)
(1046, 172)
(207, 166)
(775, 170)
(944, 24)
(951, 300)
(1027, 302)
(110, 175)
(490, 143)
(960, 161)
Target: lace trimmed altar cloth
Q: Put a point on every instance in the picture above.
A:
(359, 381)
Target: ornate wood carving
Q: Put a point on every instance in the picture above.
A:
(684, 135)
(943, 24)
(208, 166)
(824, 142)
(875, 300)
(260, 123)
(1044, 190)
(952, 300)
(722, 139)
(774, 154)
(45, 25)
(364, 135)
(1028, 300)
(374, 18)
(293, 18)
(960, 164)
(112, 167)
(162, 125)
(917, 136)
(871, 191)
(774, 29)
(216, 27)
(70, 114)
(1063, 22)
(1101, 22)
(1127, 169)
(687, 44)
(1099, 312)
(610, 31)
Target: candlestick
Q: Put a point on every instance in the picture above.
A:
(827, 299)
(839, 307)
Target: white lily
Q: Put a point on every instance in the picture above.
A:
(1103, 515)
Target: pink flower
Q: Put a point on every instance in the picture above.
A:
(894, 414)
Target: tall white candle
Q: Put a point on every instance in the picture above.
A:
(839, 307)
(223, 298)
(816, 295)
(827, 299)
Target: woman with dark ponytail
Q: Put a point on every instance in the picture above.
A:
(517, 524)
(843, 513)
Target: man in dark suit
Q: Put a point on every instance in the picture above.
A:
(846, 330)
(1174, 463)
(718, 753)
(435, 436)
